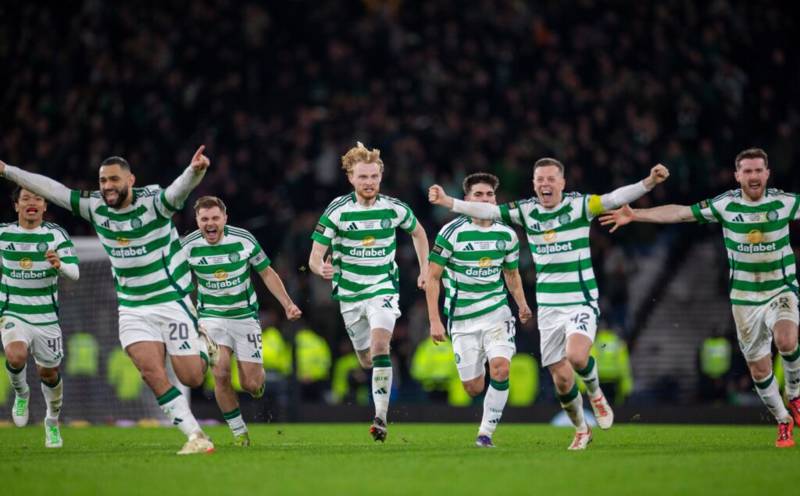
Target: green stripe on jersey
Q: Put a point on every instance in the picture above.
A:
(474, 257)
(363, 243)
(559, 243)
(756, 236)
(142, 243)
(223, 272)
(29, 284)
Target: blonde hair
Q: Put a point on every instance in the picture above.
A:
(360, 153)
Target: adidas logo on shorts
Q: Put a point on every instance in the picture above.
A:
(185, 346)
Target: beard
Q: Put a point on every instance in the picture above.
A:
(122, 195)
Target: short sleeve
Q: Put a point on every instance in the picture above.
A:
(325, 231)
(705, 212)
(408, 221)
(511, 213)
(65, 248)
(511, 259)
(258, 259)
(80, 203)
(441, 252)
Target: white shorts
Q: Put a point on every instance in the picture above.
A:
(360, 317)
(556, 323)
(754, 324)
(473, 349)
(43, 342)
(172, 323)
(243, 336)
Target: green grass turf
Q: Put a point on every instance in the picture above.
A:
(416, 459)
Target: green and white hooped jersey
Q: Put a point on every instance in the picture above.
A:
(29, 284)
(147, 261)
(756, 234)
(363, 243)
(474, 258)
(223, 273)
(559, 243)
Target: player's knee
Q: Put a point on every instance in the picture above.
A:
(578, 360)
(785, 343)
(16, 358)
(251, 385)
(473, 388)
(499, 371)
(193, 380)
(48, 375)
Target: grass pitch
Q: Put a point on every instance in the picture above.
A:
(416, 459)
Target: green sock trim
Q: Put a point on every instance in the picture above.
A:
(765, 383)
(231, 414)
(13, 370)
(381, 361)
(58, 381)
(589, 366)
(571, 395)
(499, 385)
(170, 395)
(791, 357)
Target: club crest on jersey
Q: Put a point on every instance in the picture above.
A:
(484, 262)
(234, 257)
(136, 223)
(41, 247)
(755, 236)
(220, 275)
(549, 236)
(26, 263)
(386, 223)
(772, 215)
(563, 219)
(368, 241)
(501, 244)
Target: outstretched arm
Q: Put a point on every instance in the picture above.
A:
(665, 214)
(437, 196)
(43, 186)
(627, 194)
(177, 192)
(420, 240)
(275, 286)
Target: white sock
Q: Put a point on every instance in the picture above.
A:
(771, 396)
(572, 403)
(493, 404)
(175, 406)
(791, 372)
(53, 397)
(381, 384)
(235, 422)
(18, 380)
(589, 376)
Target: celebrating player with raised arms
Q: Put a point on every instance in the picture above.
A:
(33, 254)
(763, 285)
(151, 274)
(221, 257)
(557, 225)
(472, 254)
(359, 229)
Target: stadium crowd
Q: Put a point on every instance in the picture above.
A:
(279, 90)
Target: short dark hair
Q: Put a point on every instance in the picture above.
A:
(548, 161)
(478, 178)
(209, 202)
(751, 153)
(116, 161)
(18, 192)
